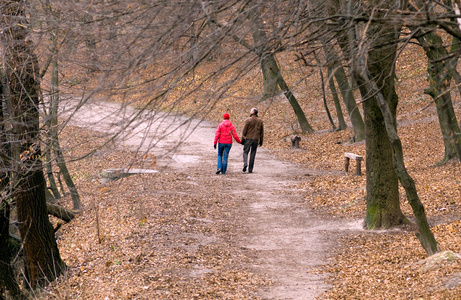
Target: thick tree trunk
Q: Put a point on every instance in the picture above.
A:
(381, 62)
(424, 235)
(383, 205)
(42, 262)
(269, 80)
(7, 280)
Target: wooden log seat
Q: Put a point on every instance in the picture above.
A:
(358, 160)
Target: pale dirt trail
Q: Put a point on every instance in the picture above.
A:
(290, 241)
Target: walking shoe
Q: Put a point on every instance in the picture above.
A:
(218, 171)
(244, 169)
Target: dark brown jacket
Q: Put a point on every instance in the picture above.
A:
(253, 129)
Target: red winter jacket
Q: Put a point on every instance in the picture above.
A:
(225, 132)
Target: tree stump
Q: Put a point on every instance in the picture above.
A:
(295, 141)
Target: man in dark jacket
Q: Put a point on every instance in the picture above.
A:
(253, 134)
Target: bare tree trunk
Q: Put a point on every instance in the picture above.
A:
(424, 235)
(52, 121)
(452, 63)
(269, 64)
(322, 85)
(50, 142)
(7, 280)
(381, 61)
(54, 104)
(42, 262)
(346, 91)
(272, 72)
(49, 171)
(383, 204)
(334, 93)
(60, 212)
(439, 78)
(272, 76)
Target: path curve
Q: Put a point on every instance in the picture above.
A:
(290, 241)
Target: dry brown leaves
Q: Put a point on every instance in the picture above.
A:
(169, 236)
(160, 236)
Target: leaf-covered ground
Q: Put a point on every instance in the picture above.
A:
(147, 222)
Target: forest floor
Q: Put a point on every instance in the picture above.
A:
(290, 230)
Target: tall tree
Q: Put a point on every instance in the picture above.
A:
(383, 204)
(439, 73)
(265, 51)
(374, 70)
(42, 262)
(271, 71)
(334, 92)
(53, 109)
(337, 70)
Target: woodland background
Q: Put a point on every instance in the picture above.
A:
(149, 55)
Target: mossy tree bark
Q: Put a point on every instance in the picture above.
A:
(424, 235)
(376, 77)
(383, 205)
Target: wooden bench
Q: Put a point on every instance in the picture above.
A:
(358, 160)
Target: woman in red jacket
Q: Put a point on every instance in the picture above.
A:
(224, 135)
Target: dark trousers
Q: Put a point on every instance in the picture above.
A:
(249, 146)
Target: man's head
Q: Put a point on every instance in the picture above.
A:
(226, 116)
(254, 111)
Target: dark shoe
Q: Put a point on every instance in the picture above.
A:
(250, 171)
(218, 171)
(244, 169)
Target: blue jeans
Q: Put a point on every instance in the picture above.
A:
(223, 156)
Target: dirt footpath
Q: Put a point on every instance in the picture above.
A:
(286, 240)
